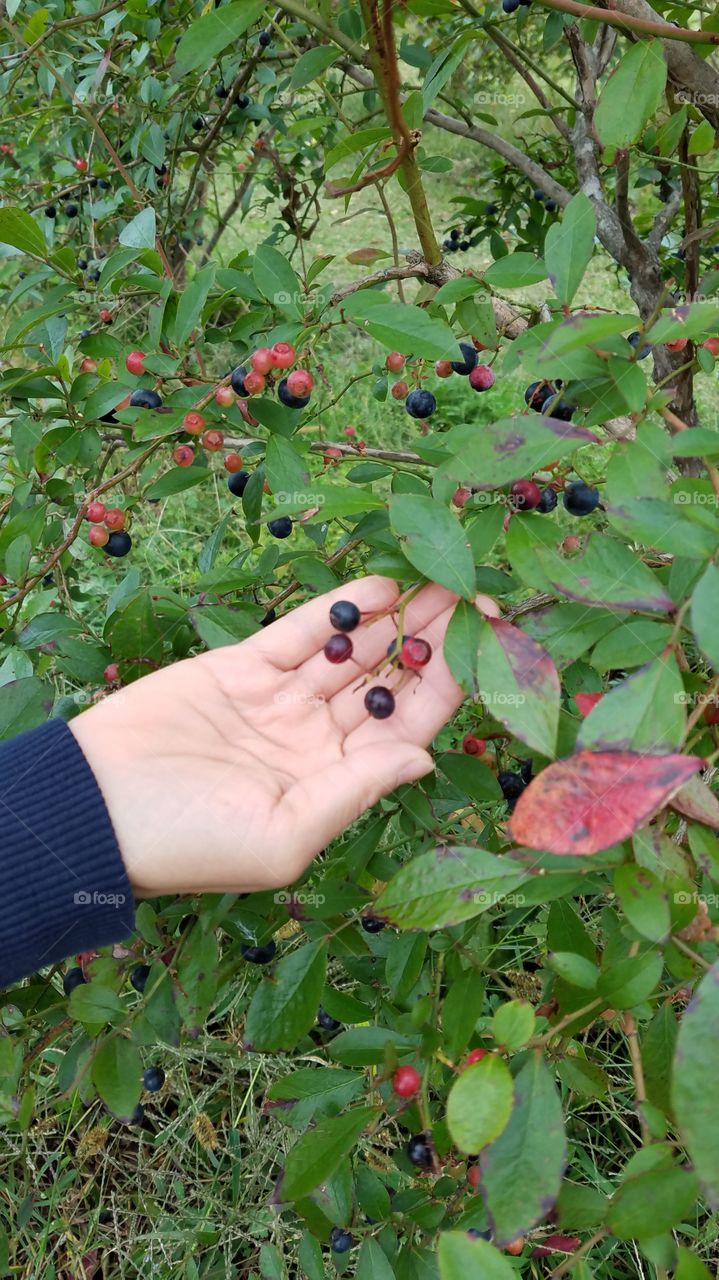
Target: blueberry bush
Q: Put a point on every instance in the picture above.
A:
(478, 1037)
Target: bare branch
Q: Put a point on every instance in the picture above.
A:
(627, 22)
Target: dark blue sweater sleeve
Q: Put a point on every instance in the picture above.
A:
(64, 886)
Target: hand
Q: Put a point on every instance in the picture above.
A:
(230, 771)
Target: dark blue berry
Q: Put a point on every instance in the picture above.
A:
(237, 482)
(420, 404)
(465, 366)
(419, 1152)
(379, 702)
(153, 1079)
(635, 339)
(547, 502)
(145, 398)
(580, 499)
(71, 210)
(265, 39)
(550, 205)
(327, 1021)
(51, 211)
(288, 400)
(139, 976)
(340, 1240)
(118, 544)
(344, 615)
(73, 978)
(259, 955)
(512, 784)
(237, 380)
(373, 924)
(281, 527)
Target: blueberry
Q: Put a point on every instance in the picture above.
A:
(635, 339)
(237, 381)
(73, 978)
(220, 90)
(454, 234)
(464, 245)
(281, 527)
(237, 482)
(539, 195)
(537, 395)
(51, 211)
(139, 976)
(118, 544)
(419, 1152)
(340, 1240)
(420, 404)
(243, 102)
(153, 1079)
(510, 6)
(269, 617)
(344, 615)
(465, 366)
(491, 209)
(71, 210)
(580, 499)
(525, 769)
(265, 39)
(138, 1114)
(103, 184)
(287, 399)
(379, 702)
(144, 398)
(82, 264)
(512, 784)
(198, 124)
(373, 924)
(326, 1021)
(475, 1234)
(547, 502)
(258, 955)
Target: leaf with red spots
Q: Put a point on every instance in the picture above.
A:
(607, 574)
(519, 684)
(510, 449)
(596, 799)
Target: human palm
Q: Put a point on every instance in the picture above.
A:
(232, 770)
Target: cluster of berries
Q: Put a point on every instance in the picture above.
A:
(108, 529)
(420, 403)
(413, 654)
(293, 391)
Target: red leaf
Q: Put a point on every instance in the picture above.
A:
(556, 1244)
(596, 799)
(586, 701)
(697, 802)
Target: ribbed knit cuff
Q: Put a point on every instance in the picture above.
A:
(64, 888)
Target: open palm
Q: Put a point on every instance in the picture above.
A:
(232, 770)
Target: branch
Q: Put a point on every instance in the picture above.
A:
(516, 61)
(629, 23)
(664, 220)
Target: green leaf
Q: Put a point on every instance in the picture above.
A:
(117, 1076)
(288, 473)
(94, 1004)
(609, 574)
(513, 1024)
(366, 1046)
(519, 684)
(19, 229)
(516, 271)
(276, 279)
(574, 969)
(311, 64)
(652, 1202)
(206, 38)
(644, 712)
(24, 704)
(644, 901)
(626, 983)
(318, 1152)
(568, 247)
(434, 542)
(140, 233)
(693, 1072)
(46, 627)
(639, 79)
(405, 328)
(461, 643)
(285, 1004)
(505, 451)
(522, 1170)
(705, 614)
(473, 778)
(461, 1011)
(446, 887)
(479, 1104)
(372, 1263)
(192, 300)
(178, 480)
(702, 139)
(463, 1258)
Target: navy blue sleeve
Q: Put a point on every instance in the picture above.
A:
(63, 886)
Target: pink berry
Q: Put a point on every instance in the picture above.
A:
(115, 518)
(473, 747)
(526, 495)
(443, 369)
(88, 365)
(98, 536)
(96, 512)
(481, 377)
(134, 364)
(283, 355)
(677, 345)
(473, 1175)
(254, 383)
(183, 455)
(299, 383)
(106, 316)
(261, 360)
(415, 653)
(476, 1055)
(399, 391)
(213, 440)
(395, 362)
(331, 455)
(406, 1081)
(194, 423)
(80, 165)
(460, 497)
(232, 463)
(111, 674)
(225, 397)
(712, 345)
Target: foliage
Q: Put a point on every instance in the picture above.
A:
(560, 921)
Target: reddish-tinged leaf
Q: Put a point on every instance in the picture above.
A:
(586, 701)
(697, 802)
(368, 255)
(556, 1244)
(596, 799)
(519, 684)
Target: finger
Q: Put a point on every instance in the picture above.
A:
(326, 803)
(370, 643)
(302, 632)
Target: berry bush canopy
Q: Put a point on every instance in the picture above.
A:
(226, 233)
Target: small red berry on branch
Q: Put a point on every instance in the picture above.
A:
(115, 518)
(80, 165)
(460, 497)
(406, 1081)
(134, 363)
(106, 316)
(481, 378)
(399, 391)
(261, 360)
(476, 1055)
(232, 463)
(194, 423)
(255, 383)
(443, 368)
(98, 537)
(525, 495)
(111, 674)
(415, 653)
(300, 383)
(283, 355)
(96, 512)
(224, 397)
(395, 362)
(213, 440)
(473, 1175)
(183, 455)
(338, 648)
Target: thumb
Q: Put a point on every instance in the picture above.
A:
(325, 804)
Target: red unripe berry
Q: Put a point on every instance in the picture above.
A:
(399, 391)
(415, 653)
(213, 440)
(350, 431)
(88, 365)
(80, 165)
(183, 455)
(106, 316)
(331, 455)
(299, 383)
(98, 536)
(525, 495)
(134, 364)
(338, 649)
(395, 362)
(7, 148)
(515, 1247)
(115, 518)
(232, 463)
(283, 355)
(224, 396)
(96, 512)
(481, 377)
(473, 1175)
(712, 344)
(254, 383)
(472, 746)
(476, 1055)
(194, 423)
(443, 369)
(711, 712)
(261, 360)
(406, 1081)
(571, 543)
(460, 497)
(677, 345)
(111, 674)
